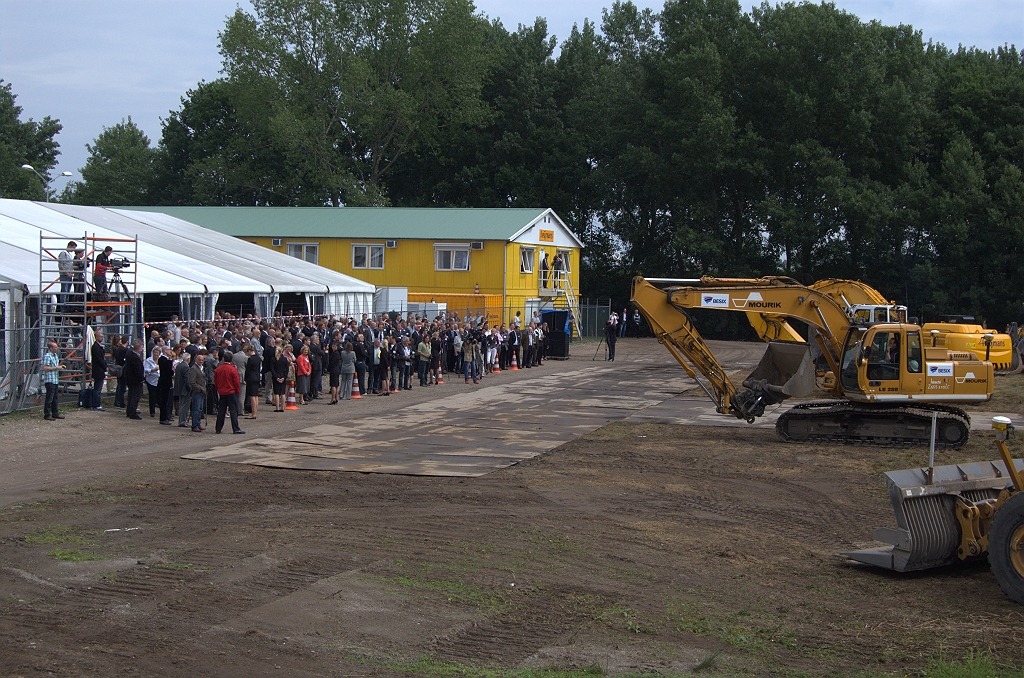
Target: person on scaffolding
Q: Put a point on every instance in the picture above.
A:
(99, 273)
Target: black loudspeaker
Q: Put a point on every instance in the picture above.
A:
(558, 321)
(558, 345)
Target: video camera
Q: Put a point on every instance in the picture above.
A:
(117, 263)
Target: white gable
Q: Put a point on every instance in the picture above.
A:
(547, 230)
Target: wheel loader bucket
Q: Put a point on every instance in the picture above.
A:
(786, 369)
(927, 532)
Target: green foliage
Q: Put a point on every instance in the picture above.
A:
(24, 143)
(120, 170)
(350, 87)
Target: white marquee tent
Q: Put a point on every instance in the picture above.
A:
(177, 257)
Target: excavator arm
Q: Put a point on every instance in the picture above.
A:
(778, 298)
(784, 371)
(847, 293)
(674, 329)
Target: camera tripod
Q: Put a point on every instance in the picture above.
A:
(116, 282)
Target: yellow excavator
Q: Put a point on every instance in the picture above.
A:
(956, 333)
(887, 383)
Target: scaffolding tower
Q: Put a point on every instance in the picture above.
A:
(74, 302)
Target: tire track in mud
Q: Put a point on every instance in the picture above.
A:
(541, 619)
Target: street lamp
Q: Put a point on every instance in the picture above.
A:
(46, 184)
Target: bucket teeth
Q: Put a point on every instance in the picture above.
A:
(928, 533)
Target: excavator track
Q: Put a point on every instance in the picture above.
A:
(850, 423)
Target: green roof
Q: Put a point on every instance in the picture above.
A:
(435, 223)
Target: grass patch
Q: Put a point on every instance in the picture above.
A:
(58, 534)
(974, 665)
(74, 555)
(627, 620)
(745, 629)
(426, 666)
(454, 591)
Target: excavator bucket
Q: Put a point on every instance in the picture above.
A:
(786, 370)
(928, 532)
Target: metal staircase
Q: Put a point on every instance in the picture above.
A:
(564, 291)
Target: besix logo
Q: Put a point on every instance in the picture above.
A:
(714, 300)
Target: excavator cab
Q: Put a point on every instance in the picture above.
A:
(866, 314)
(888, 362)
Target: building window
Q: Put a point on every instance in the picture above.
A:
(368, 256)
(566, 259)
(451, 257)
(526, 255)
(306, 251)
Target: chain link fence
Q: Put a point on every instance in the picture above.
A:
(21, 353)
(20, 356)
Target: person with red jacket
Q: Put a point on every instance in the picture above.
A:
(303, 368)
(229, 386)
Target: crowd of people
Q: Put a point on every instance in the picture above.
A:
(229, 365)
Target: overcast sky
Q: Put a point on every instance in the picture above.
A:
(92, 63)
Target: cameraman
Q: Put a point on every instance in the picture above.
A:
(470, 351)
(99, 271)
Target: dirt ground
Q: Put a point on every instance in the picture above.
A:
(639, 548)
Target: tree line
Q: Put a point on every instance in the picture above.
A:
(792, 139)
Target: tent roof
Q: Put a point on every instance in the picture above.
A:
(22, 222)
(397, 223)
(283, 272)
(173, 256)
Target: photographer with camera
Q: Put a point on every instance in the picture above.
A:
(471, 354)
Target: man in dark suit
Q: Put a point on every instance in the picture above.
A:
(134, 376)
(98, 361)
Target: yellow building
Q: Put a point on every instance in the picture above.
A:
(469, 258)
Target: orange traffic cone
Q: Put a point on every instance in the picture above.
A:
(290, 403)
(495, 368)
(513, 367)
(355, 390)
(440, 377)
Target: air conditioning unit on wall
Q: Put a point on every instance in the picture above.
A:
(391, 244)
(476, 245)
(277, 242)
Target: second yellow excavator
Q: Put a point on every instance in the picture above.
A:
(887, 383)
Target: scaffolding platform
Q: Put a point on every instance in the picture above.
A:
(75, 301)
